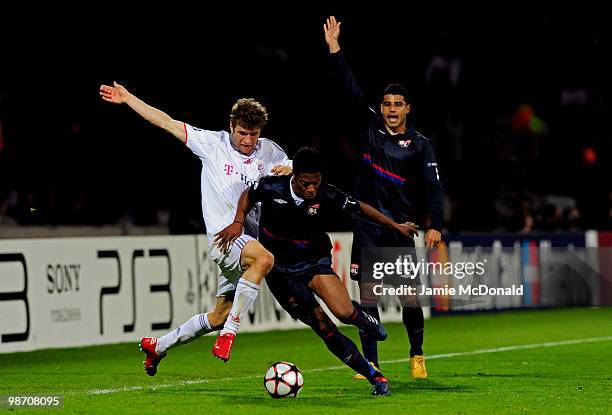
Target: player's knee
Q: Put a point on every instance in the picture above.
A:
(411, 301)
(265, 261)
(367, 296)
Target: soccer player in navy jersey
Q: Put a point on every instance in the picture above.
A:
(398, 175)
(294, 211)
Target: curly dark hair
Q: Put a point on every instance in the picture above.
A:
(249, 114)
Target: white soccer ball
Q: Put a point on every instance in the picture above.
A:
(283, 379)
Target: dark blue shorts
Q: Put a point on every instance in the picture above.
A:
(291, 288)
(372, 236)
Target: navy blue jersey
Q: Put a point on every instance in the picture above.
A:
(295, 234)
(398, 174)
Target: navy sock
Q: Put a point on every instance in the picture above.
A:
(369, 345)
(347, 351)
(361, 320)
(414, 322)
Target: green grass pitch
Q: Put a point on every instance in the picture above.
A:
(551, 361)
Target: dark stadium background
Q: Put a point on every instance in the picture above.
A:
(68, 158)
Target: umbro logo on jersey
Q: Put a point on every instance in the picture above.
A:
(280, 201)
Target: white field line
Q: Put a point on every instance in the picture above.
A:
(435, 356)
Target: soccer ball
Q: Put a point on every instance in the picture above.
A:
(283, 379)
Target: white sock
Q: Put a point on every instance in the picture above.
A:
(246, 293)
(192, 329)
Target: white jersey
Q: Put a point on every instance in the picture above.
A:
(226, 173)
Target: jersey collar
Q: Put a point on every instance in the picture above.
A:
(298, 200)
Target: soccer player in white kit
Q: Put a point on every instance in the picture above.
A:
(230, 163)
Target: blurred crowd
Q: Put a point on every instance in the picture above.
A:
(517, 116)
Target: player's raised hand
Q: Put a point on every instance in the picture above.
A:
(281, 170)
(116, 93)
(408, 229)
(432, 239)
(226, 237)
(331, 28)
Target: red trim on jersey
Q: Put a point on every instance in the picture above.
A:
(382, 172)
(298, 242)
(186, 136)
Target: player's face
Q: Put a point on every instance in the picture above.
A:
(306, 185)
(245, 140)
(394, 110)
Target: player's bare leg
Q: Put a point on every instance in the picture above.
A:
(218, 315)
(256, 261)
(330, 289)
(156, 349)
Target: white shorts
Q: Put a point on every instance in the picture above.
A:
(229, 263)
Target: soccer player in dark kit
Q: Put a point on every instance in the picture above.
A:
(294, 210)
(398, 175)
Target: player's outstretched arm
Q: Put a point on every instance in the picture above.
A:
(118, 94)
(331, 28)
(365, 114)
(407, 229)
(226, 237)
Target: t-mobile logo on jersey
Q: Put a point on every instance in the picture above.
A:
(229, 169)
(247, 181)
